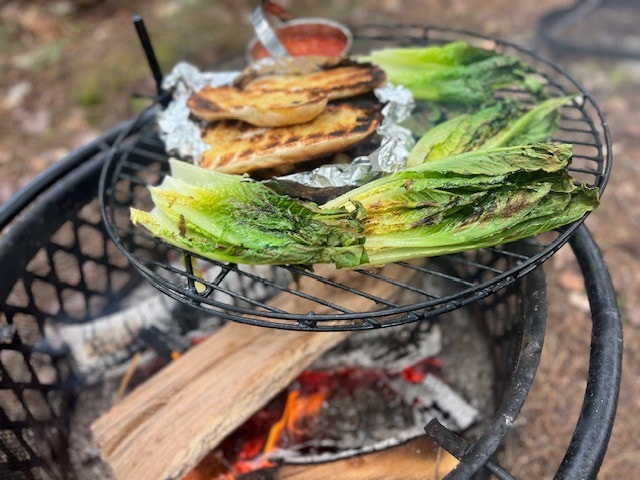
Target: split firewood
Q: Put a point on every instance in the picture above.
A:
(420, 459)
(169, 423)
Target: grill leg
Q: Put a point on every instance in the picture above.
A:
(478, 455)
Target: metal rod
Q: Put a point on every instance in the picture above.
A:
(593, 430)
(145, 41)
(456, 446)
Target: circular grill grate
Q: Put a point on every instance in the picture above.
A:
(326, 299)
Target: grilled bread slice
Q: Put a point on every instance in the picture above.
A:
(289, 66)
(237, 147)
(260, 107)
(335, 83)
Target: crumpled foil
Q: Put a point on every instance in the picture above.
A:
(397, 141)
(182, 135)
(395, 145)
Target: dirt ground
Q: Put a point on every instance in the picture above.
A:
(71, 69)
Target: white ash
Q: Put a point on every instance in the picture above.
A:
(107, 341)
(433, 393)
(468, 364)
(395, 348)
(103, 347)
(388, 411)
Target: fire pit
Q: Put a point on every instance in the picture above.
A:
(77, 275)
(61, 267)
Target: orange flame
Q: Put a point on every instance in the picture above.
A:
(297, 410)
(302, 405)
(289, 429)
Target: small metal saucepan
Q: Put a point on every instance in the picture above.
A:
(295, 36)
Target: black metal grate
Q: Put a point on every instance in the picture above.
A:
(58, 265)
(446, 282)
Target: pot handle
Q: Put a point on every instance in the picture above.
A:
(265, 32)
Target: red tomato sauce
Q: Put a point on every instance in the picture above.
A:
(304, 45)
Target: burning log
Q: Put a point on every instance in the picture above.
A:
(101, 348)
(420, 459)
(290, 422)
(366, 395)
(170, 423)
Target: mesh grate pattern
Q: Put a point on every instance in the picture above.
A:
(59, 266)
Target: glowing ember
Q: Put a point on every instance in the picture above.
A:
(373, 391)
(417, 372)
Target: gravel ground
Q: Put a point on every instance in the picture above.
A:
(71, 69)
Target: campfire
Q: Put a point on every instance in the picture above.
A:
(297, 400)
(246, 401)
(311, 420)
(330, 411)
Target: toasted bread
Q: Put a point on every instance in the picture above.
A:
(288, 66)
(237, 147)
(335, 83)
(260, 107)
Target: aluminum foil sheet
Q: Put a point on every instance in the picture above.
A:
(182, 135)
(395, 144)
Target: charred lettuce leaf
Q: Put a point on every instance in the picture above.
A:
(456, 73)
(501, 124)
(470, 200)
(232, 218)
(455, 203)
